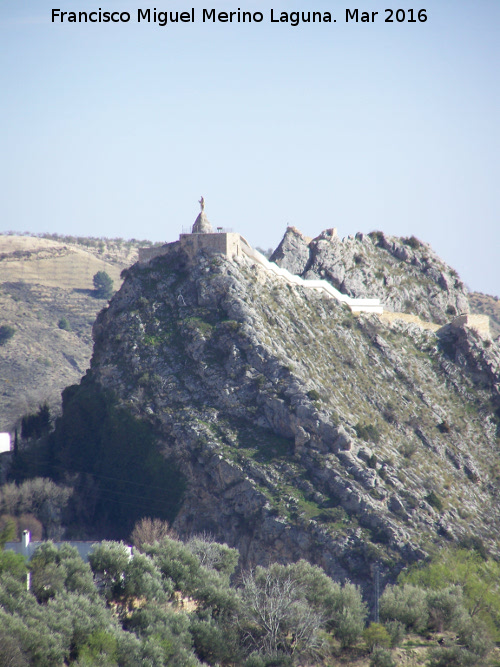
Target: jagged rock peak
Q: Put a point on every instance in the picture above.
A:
(404, 273)
(293, 251)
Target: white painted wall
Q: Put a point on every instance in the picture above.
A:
(356, 305)
(4, 442)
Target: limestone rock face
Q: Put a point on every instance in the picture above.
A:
(302, 431)
(404, 273)
(293, 252)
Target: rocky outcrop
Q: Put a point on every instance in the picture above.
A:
(404, 273)
(293, 252)
(303, 431)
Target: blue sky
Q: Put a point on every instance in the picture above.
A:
(117, 130)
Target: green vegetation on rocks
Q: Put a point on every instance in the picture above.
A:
(6, 333)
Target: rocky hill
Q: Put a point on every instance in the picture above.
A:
(405, 272)
(296, 428)
(47, 297)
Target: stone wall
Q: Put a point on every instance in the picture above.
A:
(356, 305)
(232, 245)
(480, 323)
(227, 244)
(147, 254)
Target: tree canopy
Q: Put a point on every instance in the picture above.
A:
(103, 285)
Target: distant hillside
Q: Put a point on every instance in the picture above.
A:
(487, 305)
(46, 283)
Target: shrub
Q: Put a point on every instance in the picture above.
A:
(406, 604)
(434, 501)
(376, 636)
(6, 333)
(412, 242)
(215, 643)
(455, 656)
(368, 432)
(313, 395)
(445, 608)
(149, 531)
(382, 658)
(473, 634)
(474, 543)
(396, 632)
(408, 449)
(64, 324)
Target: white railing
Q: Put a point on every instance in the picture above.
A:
(356, 305)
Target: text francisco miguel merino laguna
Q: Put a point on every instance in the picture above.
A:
(239, 16)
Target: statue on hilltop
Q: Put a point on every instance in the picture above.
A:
(201, 224)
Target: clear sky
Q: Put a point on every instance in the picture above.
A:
(118, 129)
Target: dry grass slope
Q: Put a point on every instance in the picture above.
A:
(43, 281)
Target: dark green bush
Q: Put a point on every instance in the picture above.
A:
(313, 395)
(6, 333)
(434, 501)
(103, 285)
(412, 242)
(368, 432)
(64, 324)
